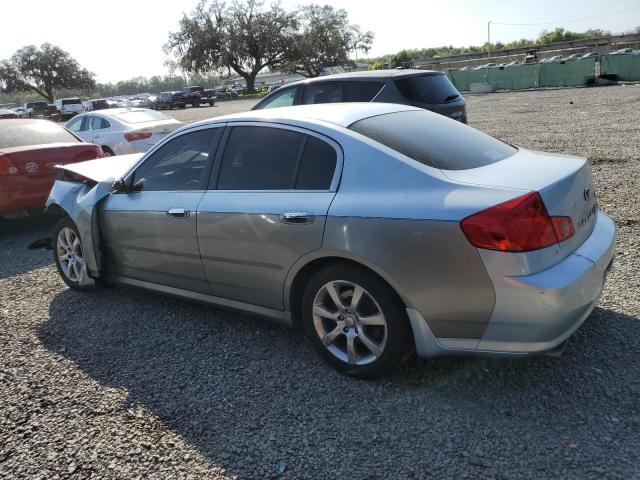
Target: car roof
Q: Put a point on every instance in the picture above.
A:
(369, 75)
(341, 114)
(115, 111)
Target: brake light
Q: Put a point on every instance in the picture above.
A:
(132, 136)
(7, 167)
(519, 225)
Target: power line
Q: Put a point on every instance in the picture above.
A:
(568, 21)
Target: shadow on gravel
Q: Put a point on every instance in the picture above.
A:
(16, 236)
(250, 395)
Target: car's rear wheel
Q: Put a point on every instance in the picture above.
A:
(69, 256)
(108, 152)
(195, 103)
(355, 321)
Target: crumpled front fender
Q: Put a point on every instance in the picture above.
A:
(79, 201)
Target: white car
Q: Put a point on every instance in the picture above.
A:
(69, 106)
(121, 131)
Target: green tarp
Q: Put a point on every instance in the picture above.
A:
(625, 67)
(519, 77)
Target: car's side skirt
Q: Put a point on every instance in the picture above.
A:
(276, 316)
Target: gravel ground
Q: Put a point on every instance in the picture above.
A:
(125, 384)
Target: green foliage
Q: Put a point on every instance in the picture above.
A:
(43, 71)
(324, 39)
(401, 59)
(244, 37)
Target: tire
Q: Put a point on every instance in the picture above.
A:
(195, 103)
(108, 152)
(366, 342)
(211, 103)
(69, 256)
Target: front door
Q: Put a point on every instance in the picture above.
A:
(149, 233)
(265, 209)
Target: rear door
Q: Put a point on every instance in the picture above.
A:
(150, 234)
(340, 92)
(266, 208)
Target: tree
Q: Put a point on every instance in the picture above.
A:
(401, 59)
(244, 37)
(43, 71)
(325, 39)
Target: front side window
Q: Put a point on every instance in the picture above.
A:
(285, 98)
(264, 158)
(180, 164)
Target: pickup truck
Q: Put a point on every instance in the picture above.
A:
(195, 95)
(38, 109)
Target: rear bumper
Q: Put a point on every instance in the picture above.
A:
(536, 313)
(20, 193)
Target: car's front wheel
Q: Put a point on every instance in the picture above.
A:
(355, 321)
(69, 256)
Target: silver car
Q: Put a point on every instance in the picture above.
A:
(380, 229)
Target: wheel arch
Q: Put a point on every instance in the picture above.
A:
(305, 267)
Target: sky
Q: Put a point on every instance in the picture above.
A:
(122, 39)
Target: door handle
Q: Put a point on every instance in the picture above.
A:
(296, 218)
(178, 213)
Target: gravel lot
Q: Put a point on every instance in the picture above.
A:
(126, 384)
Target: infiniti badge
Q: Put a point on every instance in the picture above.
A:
(587, 194)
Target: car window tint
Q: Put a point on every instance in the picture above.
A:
(20, 133)
(434, 140)
(260, 158)
(104, 123)
(75, 124)
(360, 91)
(317, 166)
(321, 92)
(427, 88)
(284, 98)
(95, 123)
(179, 164)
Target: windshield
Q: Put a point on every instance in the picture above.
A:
(21, 133)
(142, 116)
(427, 89)
(434, 140)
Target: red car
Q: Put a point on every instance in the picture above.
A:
(29, 150)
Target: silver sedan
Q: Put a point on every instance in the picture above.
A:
(382, 230)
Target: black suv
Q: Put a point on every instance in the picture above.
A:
(426, 89)
(169, 100)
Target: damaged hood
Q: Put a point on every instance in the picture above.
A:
(105, 168)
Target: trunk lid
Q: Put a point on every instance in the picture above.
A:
(40, 160)
(564, 182)
(104, 169)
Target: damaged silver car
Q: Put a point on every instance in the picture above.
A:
(381, 229)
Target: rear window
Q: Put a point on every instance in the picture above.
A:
(100, 104)
(427, 89)
(434, 140)
(71, 101)
(37, 105)
(21, 133)
(142, 116)
(197, 89)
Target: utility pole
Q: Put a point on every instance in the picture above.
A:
(489, 37)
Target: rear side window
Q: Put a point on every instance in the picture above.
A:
(71, 101)
(337, 92)
(434, 140)
(21, 133)
(263, 158)
(427, 89)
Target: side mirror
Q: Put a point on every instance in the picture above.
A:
(118, 186)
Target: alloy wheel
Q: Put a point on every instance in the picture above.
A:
(69, 252)
(349, 322)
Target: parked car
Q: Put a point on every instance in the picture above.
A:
(120, 131)
(169, 100)
(226, 92)
(589, 55)
(623, 51)
(29, 149)
(381, 229)
(426, 89)
(513, 63)
(138, 102)
(38, 109)
(7, 113)
(486, 65)
(96, 104)
(196, 95)
(68, 107)
(573, 56)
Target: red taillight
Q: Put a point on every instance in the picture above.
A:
(132, 136)
(7, 167)
(519, 225)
